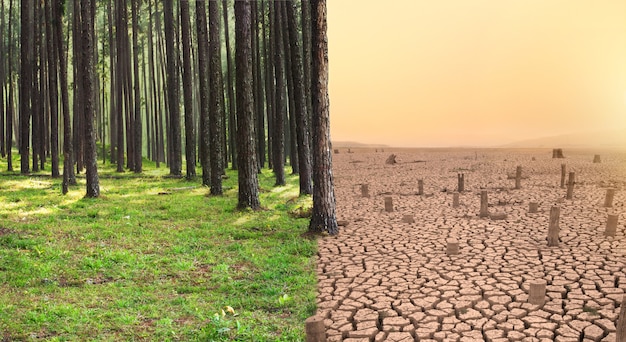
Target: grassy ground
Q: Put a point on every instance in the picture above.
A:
(154, 258)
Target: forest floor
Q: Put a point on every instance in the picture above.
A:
(385, 278)
(154, 258)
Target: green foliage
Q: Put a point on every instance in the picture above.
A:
(154, 258)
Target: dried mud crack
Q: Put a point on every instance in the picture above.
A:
(385, 278)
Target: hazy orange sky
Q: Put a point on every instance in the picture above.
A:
(474, 72)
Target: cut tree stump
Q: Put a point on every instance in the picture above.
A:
(391, 159)
(553, 228)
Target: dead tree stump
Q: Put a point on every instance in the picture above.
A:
(557, 153)
(336, 151)
(452, 247)
(608, 200)
(553, 228)
(420, 187)
(315, 330)
(611, 225)
(537, 292)
(484, 204)
(455, 200)
(461, 178)
(388, 204)
(596, 159)
(620, 326)
(391, 159)
(365, 190)
(563, 176)
(408, 218)
(570, 186)
(518, 177)
(533, 207)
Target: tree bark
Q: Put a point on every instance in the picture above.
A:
(53, 92)
(215, 100)
(137, 124)
(323, 217)
(9, 111)
(281, 105)
(232, 124)
(190, 130)
(172, 89)
(91, 163)
(203, 74)
(247, 177)
(26, 66)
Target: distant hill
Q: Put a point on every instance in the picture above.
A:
(354, 144)
(598, 139)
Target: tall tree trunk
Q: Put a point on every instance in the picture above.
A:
(79, 131)
(299, 110)
(35, 97)
(91, 162)
(53, 92)
(281, 105)
(26, 68)
(137, 125)
(269, 82)
(69, 177)
(113, 98)
(190, 130)
(247, 176)
(203, 75)
(259, 95)
(291, 126)
(119, 82)
(172, 89)
(323, 217)
(232, 124)
(305, 17)
(3, 79)
(215, 100)
(9, 111)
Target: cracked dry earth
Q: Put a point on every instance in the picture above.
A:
(382, 279)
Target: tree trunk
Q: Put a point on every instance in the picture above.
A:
(172, 89)
(9, 111)
(323, 217)
(2, 78)
(306, 56)
(203, 74)
(299, 95)
(258, 81)
(247, 176)
(215, 100)
(232, 124)
(137, 124)
(190, 130)
(281, 105)
(53, 92)
(87, 33)
(26, 67)
(269, 83)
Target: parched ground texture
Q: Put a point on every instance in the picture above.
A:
(382, 279)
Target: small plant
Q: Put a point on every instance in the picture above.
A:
(284, 300)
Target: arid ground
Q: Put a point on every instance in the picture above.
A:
(382, 278)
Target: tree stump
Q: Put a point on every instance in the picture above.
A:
(596, 159)
(452, 247)
(336, 151)
(620, 326)
(557, 153)
(391, 159)
(455, 200)
(420, 187)
(608, 200)
(562, 176)
(518, 177)
(570, 186)
(315, 330)
(461, 178)
(408, 218)
(611, 225)
(553, 228)
(533, 207)
(388, 204)
(365, 190)
(484, 204)
(537, 292)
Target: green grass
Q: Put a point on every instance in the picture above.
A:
(139, 265)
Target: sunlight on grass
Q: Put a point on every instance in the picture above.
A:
(154, 258)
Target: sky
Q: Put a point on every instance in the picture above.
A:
(474, 72)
